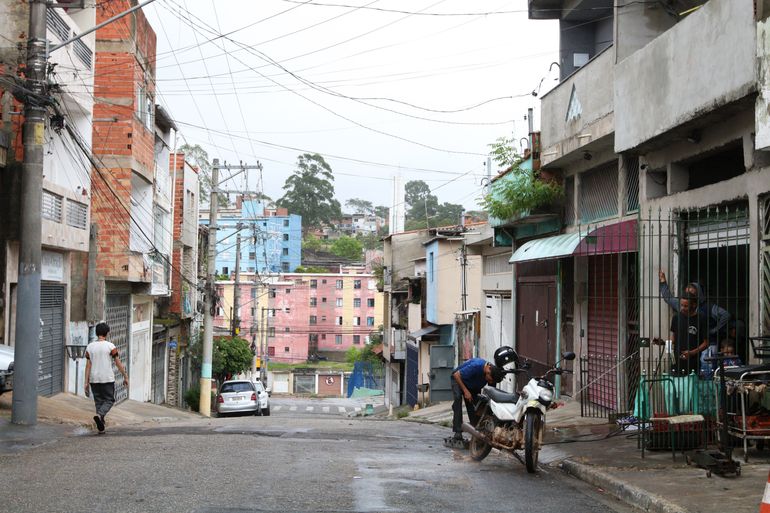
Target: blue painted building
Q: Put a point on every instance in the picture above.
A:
(271, 238)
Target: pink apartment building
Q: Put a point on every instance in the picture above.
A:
(305, 314)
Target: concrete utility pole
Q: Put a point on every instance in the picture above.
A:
(208, 316)
(236, 328)
(27, 347)
(263, 346)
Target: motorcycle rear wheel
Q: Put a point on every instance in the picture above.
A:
(478, 448)
(534, 423)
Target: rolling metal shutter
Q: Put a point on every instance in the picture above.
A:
(411, 374)
(51, 374)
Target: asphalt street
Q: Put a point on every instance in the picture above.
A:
(282, 463)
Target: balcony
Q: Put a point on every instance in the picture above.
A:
(704, 62)
(578, 113)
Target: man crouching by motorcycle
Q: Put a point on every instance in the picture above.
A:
(467, 381)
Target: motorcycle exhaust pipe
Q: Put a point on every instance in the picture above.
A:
(476, 434)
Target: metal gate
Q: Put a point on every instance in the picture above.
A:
(117, 314)
(159, 368)
(51, 373)
(603, 329)
(411, 373)
(304, 384)
(442, 359)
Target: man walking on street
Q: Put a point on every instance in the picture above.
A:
(99, 374)
(467, 381)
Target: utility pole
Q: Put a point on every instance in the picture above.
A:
(27, 347)
(208, 316)
(464, 285)
(237, 288)
(262, 345)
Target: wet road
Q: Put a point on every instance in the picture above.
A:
(280, 464)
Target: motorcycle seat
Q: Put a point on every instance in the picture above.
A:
(499, 396)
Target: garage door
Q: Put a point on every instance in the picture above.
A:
(117, 312)
(51, 374)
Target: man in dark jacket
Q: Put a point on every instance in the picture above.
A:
(467, 381)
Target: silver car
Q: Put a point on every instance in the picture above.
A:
(237, 396)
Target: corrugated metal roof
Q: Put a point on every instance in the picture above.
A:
(557, 246)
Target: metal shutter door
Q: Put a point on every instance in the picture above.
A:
(411, 374)
(51, 374)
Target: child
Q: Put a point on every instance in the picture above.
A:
(728, 349)
(100, 377)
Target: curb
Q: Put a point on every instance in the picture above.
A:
(623, 491)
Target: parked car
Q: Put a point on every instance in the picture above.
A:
(237, 396)
(263, 394)
(6, 368)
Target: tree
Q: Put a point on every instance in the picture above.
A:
(200, 158)
(360, 206)
(382, 212)
(519, 191)
(231, 355)
(448, 214)
(312, 244)
(347, 247)
(370, 240)
(310, 192)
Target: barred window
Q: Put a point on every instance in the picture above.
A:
(497, 264)
(599, 193)
(52, 206)
(77, 214)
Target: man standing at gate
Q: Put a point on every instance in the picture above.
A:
(467, 381)
(689, 336)
(99, 374)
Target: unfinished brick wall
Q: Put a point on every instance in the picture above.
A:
(122, 143)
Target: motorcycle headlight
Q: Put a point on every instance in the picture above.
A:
(546, 395)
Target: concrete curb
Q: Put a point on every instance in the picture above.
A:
(625, 492)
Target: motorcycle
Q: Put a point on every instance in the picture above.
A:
(513, 421)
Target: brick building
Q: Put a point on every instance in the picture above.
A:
(131, 196)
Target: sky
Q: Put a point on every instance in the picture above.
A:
(377, 87)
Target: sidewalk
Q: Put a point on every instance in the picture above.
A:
(584, 448)
(65, 414)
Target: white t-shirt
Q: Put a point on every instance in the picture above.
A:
(101, 353)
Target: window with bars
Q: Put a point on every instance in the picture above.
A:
(599, 193)
(497, 264)
(631, 163)
(83, 52)
(57, 25)
(77, 214)
(53, 205)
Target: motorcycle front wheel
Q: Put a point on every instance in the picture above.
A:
(534, 423)
(478, 448)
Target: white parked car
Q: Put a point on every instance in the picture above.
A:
(6, 368)
(263, 395)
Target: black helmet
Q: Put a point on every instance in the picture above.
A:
(505, 355)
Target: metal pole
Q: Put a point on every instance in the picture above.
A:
(237, 288)
(463, 264)
(26, 351)
(208, 316)
(262, 345)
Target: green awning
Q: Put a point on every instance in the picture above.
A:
(558, 246)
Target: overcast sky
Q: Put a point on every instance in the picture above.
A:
(326, 76)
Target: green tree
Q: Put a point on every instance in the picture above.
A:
(309, 192)
(383, 212)
(347, 247)
(231, 355)
(360, 206)
(370, 240)
(521, 190)
(199, 157)
(313, 244)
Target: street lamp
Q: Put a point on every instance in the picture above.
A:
(76, 352)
